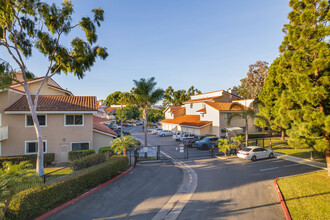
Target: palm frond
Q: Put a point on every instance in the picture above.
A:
(233, 115)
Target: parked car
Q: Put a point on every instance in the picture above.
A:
(165, 133)
(150, 129)
(176, 135)
(186, 136)
(254, 153)
(124, 125)
(129, 124)
(206, 143)
(192, 142)
(154, 130)
(158, 130)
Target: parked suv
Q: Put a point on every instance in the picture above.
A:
(186, 136)
(207, 143)
(192, 142)
(176, 135)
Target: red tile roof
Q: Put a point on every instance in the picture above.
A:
(203, 110)
(99, 126)
(201, 99)
(57, 103)
(110, 109)
(177, 109)
(188, 120)
(225, 106)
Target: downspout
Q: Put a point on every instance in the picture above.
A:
(219, 126)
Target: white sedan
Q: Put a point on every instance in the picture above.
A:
(254, 153)
(165, 133)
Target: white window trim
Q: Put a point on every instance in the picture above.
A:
(83, 121)
(31, 126)
(89, 144)
(38, 146)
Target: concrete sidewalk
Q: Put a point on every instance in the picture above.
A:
(302, 161)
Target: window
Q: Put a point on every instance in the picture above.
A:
(202, 115)
(74, 120)
(226, 115)
(41, 118)
(80, 146)
(191, 105)
(31, 147)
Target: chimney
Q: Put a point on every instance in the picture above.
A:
(233, 91)
(19, 76)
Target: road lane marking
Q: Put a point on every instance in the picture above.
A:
(172, 209)
(291, 165)
(273, 168)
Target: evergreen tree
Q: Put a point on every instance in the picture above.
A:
(303, 68)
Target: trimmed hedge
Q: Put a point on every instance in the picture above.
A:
(78, 154)
(32, 158)
(35, 201)
(102, 150)
(88, 161)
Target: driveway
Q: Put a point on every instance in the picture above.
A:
(233, 188)
(140, 194)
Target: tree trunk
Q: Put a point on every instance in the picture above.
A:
(145, 117)
(246, 133)
(327, 157)
(40, 156)
(283, 135)
(125, 151)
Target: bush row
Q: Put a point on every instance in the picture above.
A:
(102, 150)
(35, 201)
(78, 154)
(32, 158)
(87, 161)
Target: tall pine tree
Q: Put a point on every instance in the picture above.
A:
(303, 68)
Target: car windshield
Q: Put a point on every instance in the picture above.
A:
(205, 139)
(247, 149)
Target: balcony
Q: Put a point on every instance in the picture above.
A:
(3, 133)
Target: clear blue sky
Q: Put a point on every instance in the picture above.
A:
(205, 43)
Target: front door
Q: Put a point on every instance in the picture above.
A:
(64, 151)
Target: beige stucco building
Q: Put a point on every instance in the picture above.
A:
(207, 114)
(67, 122)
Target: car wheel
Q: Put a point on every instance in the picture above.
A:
(163, 135)
(254, 158)
(271, 155)
(204, 147)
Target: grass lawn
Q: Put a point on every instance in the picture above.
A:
(307, 196)
(281, 146)
(63, 172)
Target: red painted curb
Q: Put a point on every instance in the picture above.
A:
(280, 196)
(81, 196)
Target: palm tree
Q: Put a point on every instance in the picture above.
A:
(244, 113)
(224, 145)
(238, 139)
(120, 145)
(146, 95)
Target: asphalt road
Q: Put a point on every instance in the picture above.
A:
(232, 188)
(226, 188)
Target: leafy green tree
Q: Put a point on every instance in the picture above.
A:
(122, 144)
(177, 97)
(252, 84)
(145, 94)
(237, 141)
(129, 113)
(32, 26)
(12, 177)
(303, 68)
(269, 104)
(117, 98)
(244, 113)
(224, 145)
(154, 115)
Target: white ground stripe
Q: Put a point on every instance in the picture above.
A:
(172, 209)
(273, 168)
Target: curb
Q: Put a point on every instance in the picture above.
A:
(82, 196)
(280, 196)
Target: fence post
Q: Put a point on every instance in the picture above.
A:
(158, 150)
(44, 177)
(263, 141)
(256, 142)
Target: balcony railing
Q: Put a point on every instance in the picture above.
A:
(3, 133)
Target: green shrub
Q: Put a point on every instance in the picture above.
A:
(78, 154)
(88, 161)
(32, 158)
(102, 150)
(35, 201)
